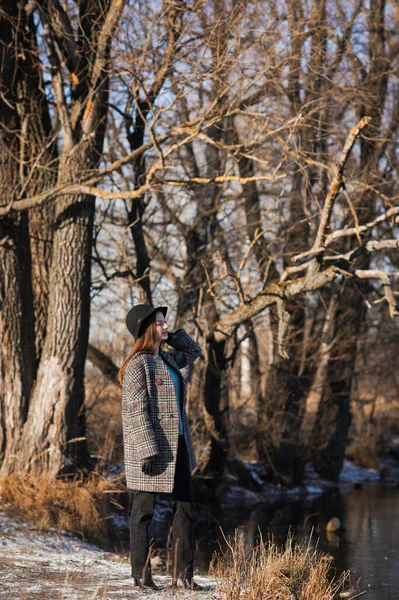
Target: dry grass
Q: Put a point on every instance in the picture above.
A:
(296, 572)
(80, 506)
(103, 416)
(364, 453)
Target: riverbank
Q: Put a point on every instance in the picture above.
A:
(95, 508)
(56, 566)
(39, 559)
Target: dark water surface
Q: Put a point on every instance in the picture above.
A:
(368, 544)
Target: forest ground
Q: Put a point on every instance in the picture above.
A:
(57, 566)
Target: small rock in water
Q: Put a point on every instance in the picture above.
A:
(348, 593)
(333, 524)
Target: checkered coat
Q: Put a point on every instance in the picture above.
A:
(150, 417)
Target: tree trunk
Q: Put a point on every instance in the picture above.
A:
(17, 349)
(335, 407)
(214, 417)
(334, 413)
(43, 425)
(39, 160)
(319, 381)
(17, 358)
(54, 434)
(199, 249)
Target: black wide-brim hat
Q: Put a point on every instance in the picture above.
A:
(138, 314)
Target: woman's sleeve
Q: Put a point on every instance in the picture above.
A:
(186, 350)
(138, 431)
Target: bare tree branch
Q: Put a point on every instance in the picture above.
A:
(103, 362)
(341, 233)
(99, 74)
(55, 14)
(336, 183)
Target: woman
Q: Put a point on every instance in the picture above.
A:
(159, 453)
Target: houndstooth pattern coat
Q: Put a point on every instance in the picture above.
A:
(150, 419)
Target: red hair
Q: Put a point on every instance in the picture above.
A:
(146, 342)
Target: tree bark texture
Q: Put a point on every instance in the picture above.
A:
(43, 423)
(17, 350)
(56, 415)
(351, 310)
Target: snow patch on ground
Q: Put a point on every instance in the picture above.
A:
(313, 485)
(352, 473)
(56, 566)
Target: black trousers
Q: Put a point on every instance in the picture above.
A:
(182, 526)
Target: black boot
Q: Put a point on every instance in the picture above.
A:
(190, 584)
(147, 584)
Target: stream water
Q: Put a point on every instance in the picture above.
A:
(368, 544)
(53, 565)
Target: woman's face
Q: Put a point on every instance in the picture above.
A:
(161, 327)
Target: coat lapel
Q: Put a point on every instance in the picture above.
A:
(174, 366)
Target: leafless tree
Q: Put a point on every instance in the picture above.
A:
(279, 160)
(50, 137)
(249, 167)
